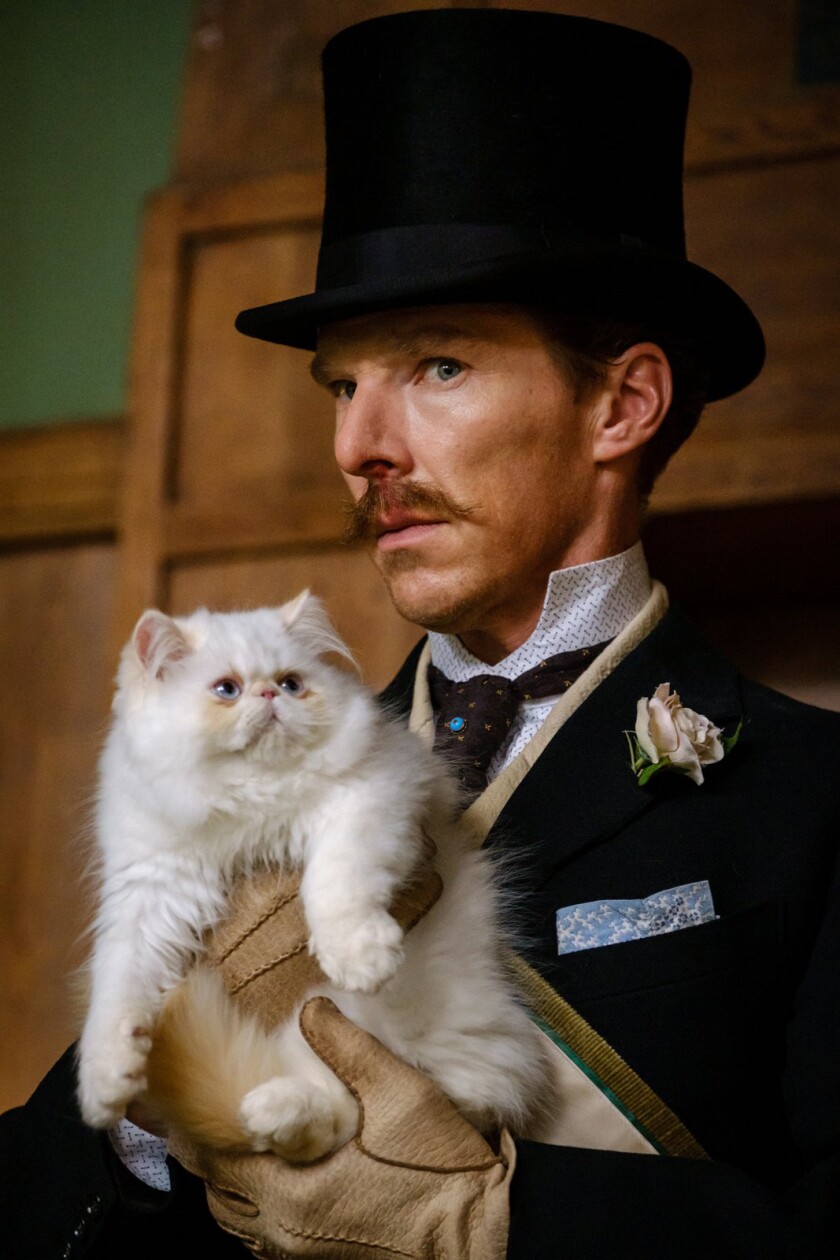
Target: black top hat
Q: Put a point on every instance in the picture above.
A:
(503, 155)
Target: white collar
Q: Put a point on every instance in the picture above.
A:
(584, 605)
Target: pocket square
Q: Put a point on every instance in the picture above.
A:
(596, 923)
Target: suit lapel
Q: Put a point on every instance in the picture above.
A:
(582, 790)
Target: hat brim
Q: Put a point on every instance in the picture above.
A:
(628, 284)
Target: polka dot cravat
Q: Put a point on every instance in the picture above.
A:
(475, 716)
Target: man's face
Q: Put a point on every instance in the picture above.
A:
(468, 458)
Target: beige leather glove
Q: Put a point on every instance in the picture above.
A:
(417, 1180)
(261, 947)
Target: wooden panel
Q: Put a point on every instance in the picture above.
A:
(746, 103)
(771, 233)
(60, 480)
(253, 91)
(253, 96)
(346, 580)
(54, 611)
(220, 422)
(253, 425)
(231, 452)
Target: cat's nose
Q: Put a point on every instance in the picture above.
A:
(269, 694)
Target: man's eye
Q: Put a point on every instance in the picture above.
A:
(227, 689)
(343, 389)
(445, 369)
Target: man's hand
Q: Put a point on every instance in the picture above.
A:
(417, 1181)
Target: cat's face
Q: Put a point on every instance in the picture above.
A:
(253, 683)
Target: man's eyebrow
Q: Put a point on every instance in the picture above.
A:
(419, 340)
(416, 342)
(319, 370)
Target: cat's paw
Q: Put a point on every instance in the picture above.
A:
(112, 1074)
(298, 1120)
(360, 956)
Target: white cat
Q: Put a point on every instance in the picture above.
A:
(235, 744)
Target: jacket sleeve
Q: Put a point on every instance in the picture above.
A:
(64, 1193)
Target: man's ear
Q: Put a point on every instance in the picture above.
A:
(633, 403)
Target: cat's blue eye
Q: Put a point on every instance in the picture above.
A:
(227, 689)
(291, 684)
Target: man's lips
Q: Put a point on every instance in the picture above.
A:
(397, 529)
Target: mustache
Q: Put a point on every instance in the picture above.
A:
(361, 519)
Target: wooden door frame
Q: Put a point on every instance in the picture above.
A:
(154, 529)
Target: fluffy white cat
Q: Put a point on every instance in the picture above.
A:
(237, 744)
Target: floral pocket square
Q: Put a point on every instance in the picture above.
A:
(596, 923)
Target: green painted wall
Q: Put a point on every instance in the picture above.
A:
(89, 98)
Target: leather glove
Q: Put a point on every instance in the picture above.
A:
(417, 1181)
(261, 948)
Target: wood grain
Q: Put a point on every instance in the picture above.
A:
(54, 612)
(60, 481)
(253, 103)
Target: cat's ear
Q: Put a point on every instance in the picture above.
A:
(158, 642)
(292, 611)
(307, 617)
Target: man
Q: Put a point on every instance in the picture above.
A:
(516, 343)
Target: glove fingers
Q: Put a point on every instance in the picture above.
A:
(261, 949)
(406, 1119)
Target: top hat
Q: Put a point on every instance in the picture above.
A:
(479, 155)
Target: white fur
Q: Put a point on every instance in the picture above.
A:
(194, 790)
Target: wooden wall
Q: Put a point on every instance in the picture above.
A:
(58, 499)
(217, 486)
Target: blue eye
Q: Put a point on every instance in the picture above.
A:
(227, 689)
(292, 684)
(446, 369)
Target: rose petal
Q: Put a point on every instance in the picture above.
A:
(702, 733)
(663, 731)
(711, 751)
(685, 756)
(642, 720)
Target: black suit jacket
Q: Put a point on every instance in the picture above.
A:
(735, 1024)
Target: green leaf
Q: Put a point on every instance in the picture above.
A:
(652, 769)
(638, 757)
(729, 741)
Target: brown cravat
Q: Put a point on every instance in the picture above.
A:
(474, 717)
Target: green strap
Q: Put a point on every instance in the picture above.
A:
(604, 1066)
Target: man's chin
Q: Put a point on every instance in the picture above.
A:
(425, 599)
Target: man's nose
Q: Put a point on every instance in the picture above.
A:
(370, 438)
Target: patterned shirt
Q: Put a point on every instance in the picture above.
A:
(584, 605)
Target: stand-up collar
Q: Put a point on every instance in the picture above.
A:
(584, 605)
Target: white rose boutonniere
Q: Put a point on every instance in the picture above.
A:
(669, 736)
